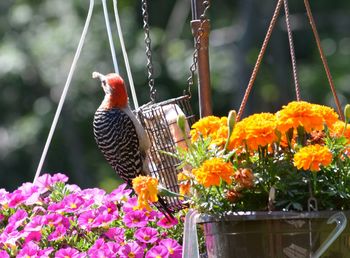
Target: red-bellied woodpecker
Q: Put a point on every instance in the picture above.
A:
(119, 135)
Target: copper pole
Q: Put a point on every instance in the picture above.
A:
(204, 90)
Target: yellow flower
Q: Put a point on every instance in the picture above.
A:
(254, 131)
(337, 129)
(184, 182)
(312, 156)
(211, 126)
(328, 114)
(146, 189)
(212, 171)
(300, 113)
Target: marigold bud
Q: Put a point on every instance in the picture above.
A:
(244, 177)
(181, 122)
(233, 196)
(347, 113)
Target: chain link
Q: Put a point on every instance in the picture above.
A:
(150, 70)
(197, 46)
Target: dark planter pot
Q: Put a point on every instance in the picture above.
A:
(278, 234)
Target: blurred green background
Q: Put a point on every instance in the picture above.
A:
(37, 44)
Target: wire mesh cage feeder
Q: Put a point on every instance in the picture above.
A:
(159, 120)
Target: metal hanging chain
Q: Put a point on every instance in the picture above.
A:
(197, 46)
(292, 50)
(259, 59)
(150, 70)
(323, 57)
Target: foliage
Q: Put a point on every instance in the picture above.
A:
(268, 161)
(53, 219)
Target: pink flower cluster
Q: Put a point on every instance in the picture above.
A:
(54, 219)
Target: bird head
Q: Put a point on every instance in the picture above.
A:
(114, 88)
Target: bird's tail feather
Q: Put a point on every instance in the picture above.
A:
(163, 207)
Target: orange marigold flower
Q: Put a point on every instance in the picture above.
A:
(245, 177)
(299, 113)
(210, 126)
(254, 131)
(146, 189)
(312, 156)
(328, 114)
(212, 171)
(185, 188)
(337, 130)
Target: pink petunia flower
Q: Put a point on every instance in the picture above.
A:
(135, 219)
(35, 224)
(73, 203)
(167, 222)
(30, 192)
(46, 181)
(31, 249)
(17, 218)
(95, 194)
(131, 249)
(174, 248)
(120, 195)
(4, 254)
(55, 219)
(113, 248)
(58, 234)
(69, 252)
(130, 205)
(4, 197)
(157, 252)
(32, 236)
(16, 198)
(10, 237)
(153, 215)
(102, 249)
(146, 235)
(116, 234)
(86, 219)
(109, 208)
(102, 220)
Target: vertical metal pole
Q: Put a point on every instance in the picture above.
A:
(204, 90)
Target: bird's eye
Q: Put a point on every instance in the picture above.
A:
(104, 83)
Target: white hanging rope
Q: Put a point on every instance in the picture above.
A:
(110, 37)
(65, 90)
(125, 55)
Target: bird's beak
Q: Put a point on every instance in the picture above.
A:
(103, 79)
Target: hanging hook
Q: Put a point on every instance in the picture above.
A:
(110, 37)
(65, 90)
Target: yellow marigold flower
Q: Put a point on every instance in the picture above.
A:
(337, 129)
(299, 113)
(212, 171)
(210, 126)
(312, 156)
(328, 114)
(254, 131)
(146, 189)
(185, 188)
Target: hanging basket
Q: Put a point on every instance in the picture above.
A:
(277, 234)
(160, 122)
